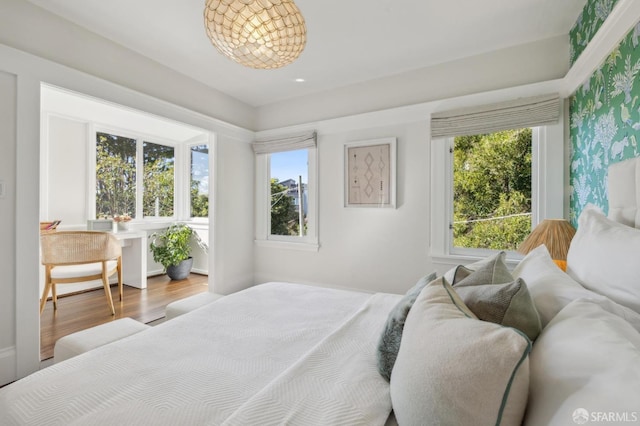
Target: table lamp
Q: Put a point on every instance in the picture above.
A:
(556, 234)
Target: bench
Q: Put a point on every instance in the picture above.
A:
(77, 343)
(190, 303)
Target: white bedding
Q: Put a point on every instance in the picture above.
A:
(280, 353)
(586, 362)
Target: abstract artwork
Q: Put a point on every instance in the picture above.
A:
(370, 173)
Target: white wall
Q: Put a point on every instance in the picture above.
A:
(8, 88)
(233, 216)
(373, 249)
(64, 183)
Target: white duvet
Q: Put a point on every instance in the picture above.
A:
(273, 354)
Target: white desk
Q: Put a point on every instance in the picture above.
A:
(134, 257)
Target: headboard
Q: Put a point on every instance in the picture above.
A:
(624, 192)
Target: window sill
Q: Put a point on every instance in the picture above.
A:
(511, 260)
(288, 245)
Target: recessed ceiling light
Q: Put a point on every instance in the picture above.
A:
(299, 80)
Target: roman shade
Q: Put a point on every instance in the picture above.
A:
(515, 114)
(285, 143)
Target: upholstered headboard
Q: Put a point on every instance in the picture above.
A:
(624, 192)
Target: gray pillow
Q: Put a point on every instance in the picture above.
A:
(493, 295)
(491, 271)
(389, 343)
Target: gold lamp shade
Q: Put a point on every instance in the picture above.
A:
(556, 234)
(261, 34)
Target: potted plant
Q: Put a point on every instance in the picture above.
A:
(172, 249)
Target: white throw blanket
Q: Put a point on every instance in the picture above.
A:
(273, 354)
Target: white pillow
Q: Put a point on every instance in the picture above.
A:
(585, 359)
(455, 369)
(552, 289)
(603, 257)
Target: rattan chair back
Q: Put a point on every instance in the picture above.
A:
(61, 251)
(77, 247)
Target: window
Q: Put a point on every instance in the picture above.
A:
(490, 187)
(115, 175)
(125, 185)
(289, 192)
(199, 182)
(286, 192)
(159, 180)
(491, 194)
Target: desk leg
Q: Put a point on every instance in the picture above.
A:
(134, 262)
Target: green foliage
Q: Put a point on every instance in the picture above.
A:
(199, 202)
(115, 175)
(158, 180)
(171, 246)
(492, 179)
(284, 216)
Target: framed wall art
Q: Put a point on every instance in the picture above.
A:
(370, 173)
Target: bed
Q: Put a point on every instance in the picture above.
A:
(565, 348)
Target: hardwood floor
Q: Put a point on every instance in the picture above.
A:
(80, 311)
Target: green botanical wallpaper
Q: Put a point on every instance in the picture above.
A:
(589, 22)
(605, 123)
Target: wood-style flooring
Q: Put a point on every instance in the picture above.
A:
(81, 311)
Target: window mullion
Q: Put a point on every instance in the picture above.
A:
(139, 178)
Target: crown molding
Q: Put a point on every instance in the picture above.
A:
(624, 16)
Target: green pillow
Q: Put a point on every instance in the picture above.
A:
(389, 343)
(493, 295)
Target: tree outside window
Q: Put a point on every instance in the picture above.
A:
(115, 175)
(159, 178)
(289, 192)
(492, 189)
(199, 185)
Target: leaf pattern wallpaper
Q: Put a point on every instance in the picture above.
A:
(604, 117)
(589, 22)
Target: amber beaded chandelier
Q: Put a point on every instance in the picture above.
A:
(261, 34)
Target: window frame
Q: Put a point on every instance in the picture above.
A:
(547, 191)
(140, 139)
(187, 178)
(263, 237)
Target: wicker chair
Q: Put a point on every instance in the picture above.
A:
(78, 256)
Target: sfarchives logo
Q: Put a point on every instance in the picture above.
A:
(580, 416)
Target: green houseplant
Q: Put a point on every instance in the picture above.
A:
(172, 249)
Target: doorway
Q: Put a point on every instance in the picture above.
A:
(71, 125)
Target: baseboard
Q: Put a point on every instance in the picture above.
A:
(8, 365)
(200, 271)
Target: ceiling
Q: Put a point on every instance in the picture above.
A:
(348, 41)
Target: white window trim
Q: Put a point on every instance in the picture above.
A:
(547, 191)
(263, 237)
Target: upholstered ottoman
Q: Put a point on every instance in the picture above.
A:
(190, 303)
(85, 340)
